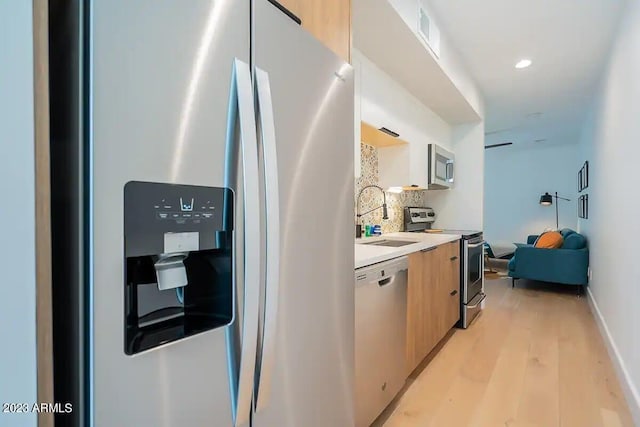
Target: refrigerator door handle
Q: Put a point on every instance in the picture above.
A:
(272, 215)
(242, 371)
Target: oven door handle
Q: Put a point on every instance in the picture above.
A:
(476, 245)
(478, 303)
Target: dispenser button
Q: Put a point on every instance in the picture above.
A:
(197, 215)
(175, 215)
(187, 215)
(163, 215)
(186, 205)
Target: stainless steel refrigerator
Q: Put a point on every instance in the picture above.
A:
(202, 184)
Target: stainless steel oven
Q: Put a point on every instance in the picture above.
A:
(472, 280)
(418, 219)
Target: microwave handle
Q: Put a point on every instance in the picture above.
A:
(449, 170)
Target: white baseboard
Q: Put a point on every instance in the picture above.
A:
(628, 387)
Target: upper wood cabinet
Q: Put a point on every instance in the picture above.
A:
(328, 20)
(378, 138)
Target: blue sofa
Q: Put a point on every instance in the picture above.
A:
(567, 265)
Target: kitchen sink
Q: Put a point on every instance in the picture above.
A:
(390, 243)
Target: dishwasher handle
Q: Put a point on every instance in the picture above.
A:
(377, 274)
(390, 279)
(387, 281)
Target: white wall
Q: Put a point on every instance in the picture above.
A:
(449, 59)
(384, 102)
(515, 178)
(611, 143)
(17, 216)
(462, 206)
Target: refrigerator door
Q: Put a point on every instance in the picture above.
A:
(159, 85)
(310, 367)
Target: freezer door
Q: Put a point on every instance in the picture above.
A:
(309, 369)
(159, 84)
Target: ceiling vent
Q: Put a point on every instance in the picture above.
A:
(428, 30)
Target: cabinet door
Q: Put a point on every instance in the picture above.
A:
(415, 312)
(433, 299)
(328, 20)
(442, 305)
(419, 163)
(451, 284)
(422, 306)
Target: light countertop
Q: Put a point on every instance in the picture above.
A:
(371, 254)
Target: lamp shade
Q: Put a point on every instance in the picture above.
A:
(546, 199)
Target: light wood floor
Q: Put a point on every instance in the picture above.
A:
(534, 357)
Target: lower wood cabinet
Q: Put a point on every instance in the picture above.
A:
(450, 260)
(433, 299)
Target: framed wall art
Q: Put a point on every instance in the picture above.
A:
(583, 206)
(580, 180)
(583, 177)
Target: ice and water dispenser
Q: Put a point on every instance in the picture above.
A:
(178, 262)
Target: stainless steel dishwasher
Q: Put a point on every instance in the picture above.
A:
(381, 319)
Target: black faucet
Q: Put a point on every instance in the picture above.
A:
(385, 214)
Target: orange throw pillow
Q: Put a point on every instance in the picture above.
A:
(549, 240)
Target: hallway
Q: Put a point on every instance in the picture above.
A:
(534, 358)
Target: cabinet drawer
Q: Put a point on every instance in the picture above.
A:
(453, 249)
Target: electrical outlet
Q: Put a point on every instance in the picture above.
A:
(589, 273)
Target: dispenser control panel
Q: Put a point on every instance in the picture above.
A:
(154, 209)
(185, 209)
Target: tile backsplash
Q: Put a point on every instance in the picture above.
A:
(372, 197)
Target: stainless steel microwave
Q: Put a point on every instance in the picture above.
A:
(441, 168)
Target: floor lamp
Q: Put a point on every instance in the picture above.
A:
(547, 200)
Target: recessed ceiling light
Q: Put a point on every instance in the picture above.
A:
(523, 63)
